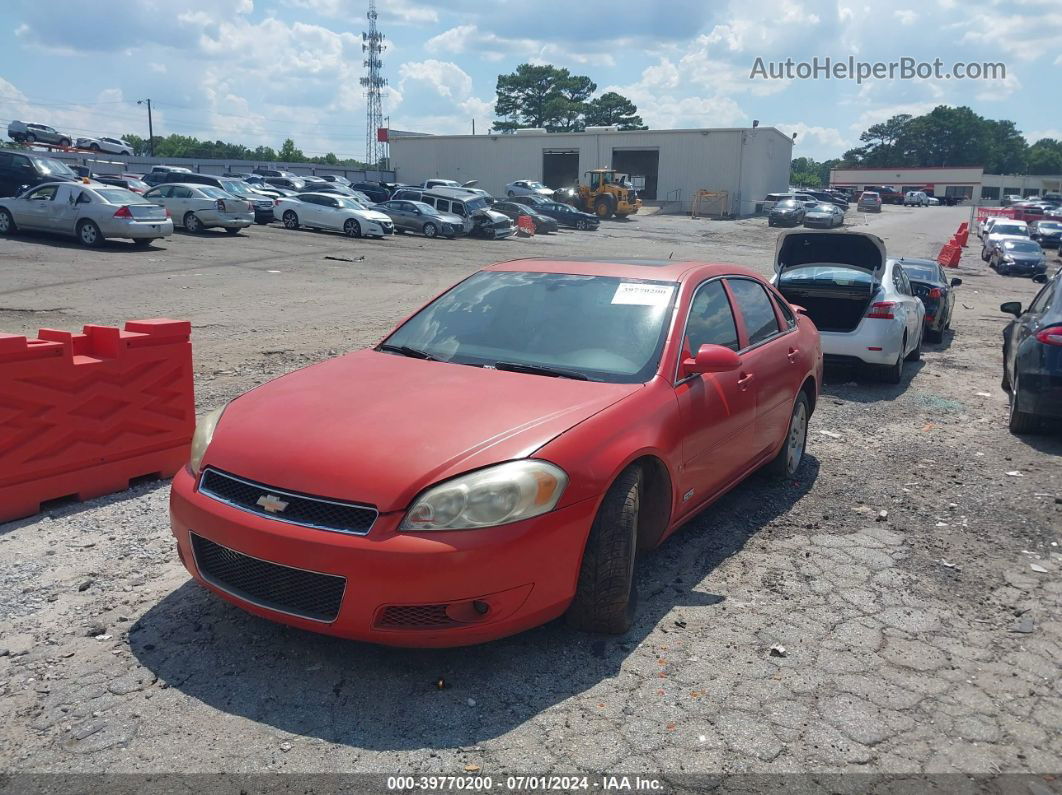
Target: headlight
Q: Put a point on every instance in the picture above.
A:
(204, 432)
(497, 495)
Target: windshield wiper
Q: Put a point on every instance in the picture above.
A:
(412, 353)
(536, 369)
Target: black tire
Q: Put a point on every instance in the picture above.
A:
(94, 147)
(893, 373)
(351, 228)
(191, 223)
(31, 138)
(291, 220)
(603, 208)
(605, 595)
(984, 254)
(1020, 422)
(770, 222)
(7, 223)
(511, 194)
(787, 462)
(430, 230)
(64, 142)
(916, 354)
(89, 235)
(232, 230)
(143, 242)
(935, 335)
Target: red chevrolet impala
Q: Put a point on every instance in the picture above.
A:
(499, 459)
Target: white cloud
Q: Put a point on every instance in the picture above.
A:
(1035, 135)
(906, 16)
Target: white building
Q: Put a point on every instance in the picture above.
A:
(970, 183)
(746, 163)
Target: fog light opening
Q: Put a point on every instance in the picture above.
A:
(481, 607)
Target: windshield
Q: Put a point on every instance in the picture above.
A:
(535, 185)
(788, 204)
(1008, 229)
(427, 209)
(118, 196)
(478, 203)
(1022, 247)
(234, 187)
(350, 203)
(823, 208)
(48, 166)
(1049, 225)
(603, 327)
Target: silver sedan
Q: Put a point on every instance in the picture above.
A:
(198, 207)
(824, 215)
(90, 212)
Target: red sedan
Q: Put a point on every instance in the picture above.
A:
(499, 459)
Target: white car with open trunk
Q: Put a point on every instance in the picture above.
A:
(862, 302)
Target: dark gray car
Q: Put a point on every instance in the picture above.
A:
(411, 216)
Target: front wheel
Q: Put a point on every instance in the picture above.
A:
(143, 242)
(430, 230)
(7, 223)
(232, 230)
(291, 220)
(64, 142)
(89, 234)
(984, 254)
(605, 595)
(787, 462)
(352, 228)
(94, 147)
(31, 138)
(581, 225)
(511, 194)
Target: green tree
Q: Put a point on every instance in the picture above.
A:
(289, 153)
(613, 109)
(1045, 157)
(524, 96)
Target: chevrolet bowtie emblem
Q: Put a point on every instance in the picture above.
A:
(272, 503)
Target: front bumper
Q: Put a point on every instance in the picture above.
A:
(1040, 393)
(525, 572)
(785, 220)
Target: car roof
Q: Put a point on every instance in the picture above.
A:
(652, 269)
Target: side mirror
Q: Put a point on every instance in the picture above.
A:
(799, 309)
(1011, 308)
(711, 359)
(956, 282)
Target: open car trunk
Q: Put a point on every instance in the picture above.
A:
(833, 275)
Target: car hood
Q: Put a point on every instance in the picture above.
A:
(448, 218)
(379, 428)
(858, 250)
(371, 215)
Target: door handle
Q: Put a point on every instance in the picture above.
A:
(793, 353)
(744, 381)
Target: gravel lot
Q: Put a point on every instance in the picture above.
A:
(924, 642)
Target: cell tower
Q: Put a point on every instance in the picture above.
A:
(372, 44)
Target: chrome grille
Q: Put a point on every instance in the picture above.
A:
(307, 594)
(302, 509)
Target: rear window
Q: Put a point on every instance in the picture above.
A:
(809, 275)
(214, 193)
(118, 196)
(921, 273)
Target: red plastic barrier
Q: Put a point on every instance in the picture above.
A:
(949, 255)
(963, 235)
(82, 414)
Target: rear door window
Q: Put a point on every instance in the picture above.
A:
(761, 323)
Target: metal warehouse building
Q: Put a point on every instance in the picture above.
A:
(745, 163)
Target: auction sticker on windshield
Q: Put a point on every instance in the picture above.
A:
(643, 294)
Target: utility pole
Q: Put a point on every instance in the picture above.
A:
(372, 45)
(473, 126)
(151, 131)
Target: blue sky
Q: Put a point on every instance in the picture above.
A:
(255, 72)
